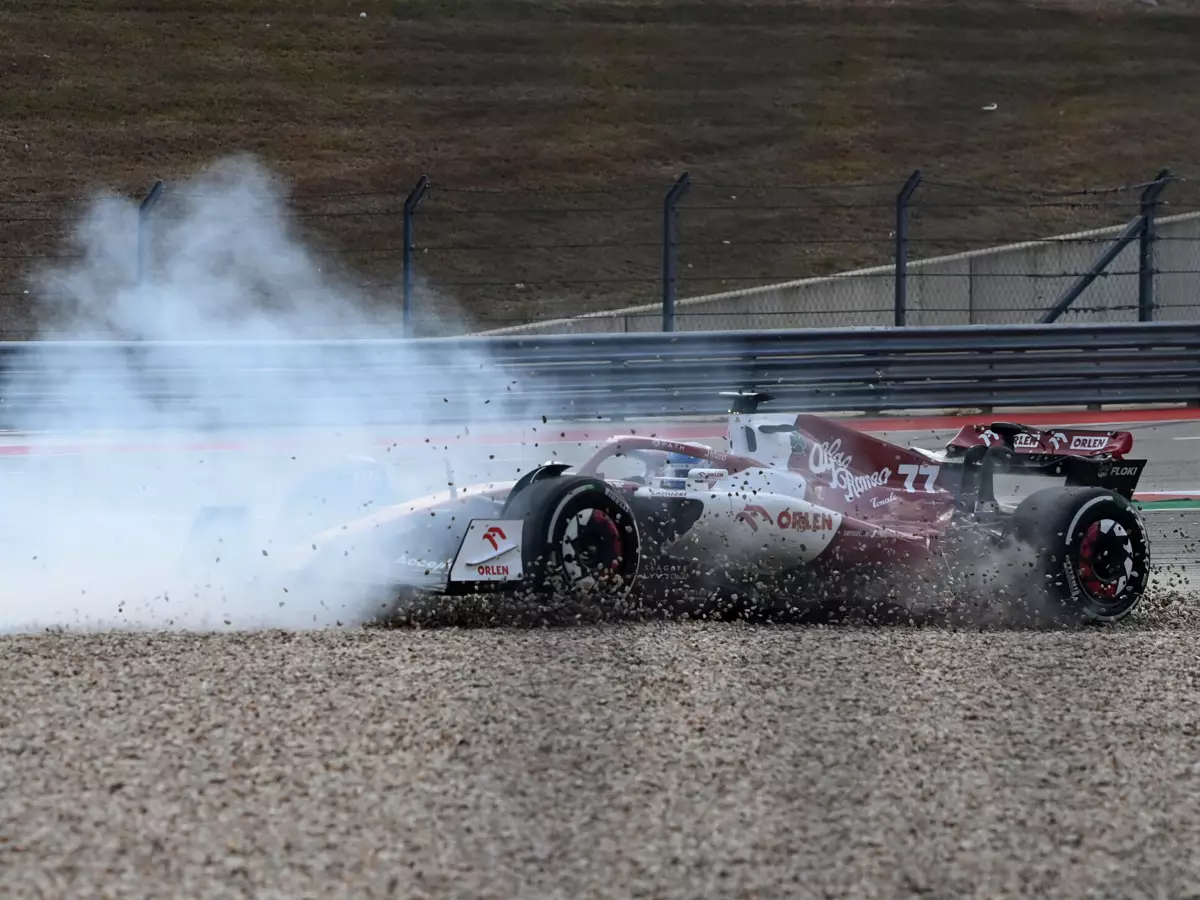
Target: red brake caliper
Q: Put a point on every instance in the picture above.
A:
(603, 521)
(1088, 549)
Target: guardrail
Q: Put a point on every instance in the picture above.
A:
(578, 377)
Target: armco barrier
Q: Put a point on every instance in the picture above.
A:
(581, 377)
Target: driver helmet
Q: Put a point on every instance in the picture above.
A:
(678, 466)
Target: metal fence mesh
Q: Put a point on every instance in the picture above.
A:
(732, 256)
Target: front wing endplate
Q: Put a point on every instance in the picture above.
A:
(490, 551)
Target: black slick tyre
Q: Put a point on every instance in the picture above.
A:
(580, 538)
(1090, 551)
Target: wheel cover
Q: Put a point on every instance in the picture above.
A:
(591, 544)
(1105, 563)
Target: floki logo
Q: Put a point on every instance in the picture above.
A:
(827, 458)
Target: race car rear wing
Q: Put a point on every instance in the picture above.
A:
(1084, 458)
(1026, 441)
(1119, 476)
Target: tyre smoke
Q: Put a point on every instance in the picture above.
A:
(94, 540)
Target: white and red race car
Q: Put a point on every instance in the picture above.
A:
(798, 509)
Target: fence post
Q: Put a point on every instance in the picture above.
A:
(901, 277)
(1063, 303)
(1149, 204)
(143, 248)
(410, 208)
(668, 260)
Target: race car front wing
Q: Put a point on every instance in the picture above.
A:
(489, 553)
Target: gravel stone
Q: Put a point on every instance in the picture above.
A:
(640, 760)
(663, 759)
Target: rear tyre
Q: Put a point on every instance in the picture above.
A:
(1090, 549)
(580, 539)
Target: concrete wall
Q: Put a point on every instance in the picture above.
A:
(1010, 284)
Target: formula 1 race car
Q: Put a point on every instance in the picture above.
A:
(800, 509)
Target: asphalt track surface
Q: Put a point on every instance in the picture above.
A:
(625, 760)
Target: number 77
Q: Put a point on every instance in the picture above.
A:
(911, 472)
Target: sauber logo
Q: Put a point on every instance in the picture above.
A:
(747, 515)
(490, 536)
(1087, 442)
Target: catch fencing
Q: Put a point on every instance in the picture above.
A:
(1103, 275)
(687, 254)
(50, 385)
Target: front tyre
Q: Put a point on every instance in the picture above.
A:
(580, 538)
(1091, 550)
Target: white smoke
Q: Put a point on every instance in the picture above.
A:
(93, 540)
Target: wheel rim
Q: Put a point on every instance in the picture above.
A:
(591, 546)
(1105, 563)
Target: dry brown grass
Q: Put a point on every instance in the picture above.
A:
(587, 94)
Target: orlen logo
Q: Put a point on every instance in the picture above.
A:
(490, 536)
(1087, 442)
(747, 515)
(492, 570)
(802, 521)
(1025, 441)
